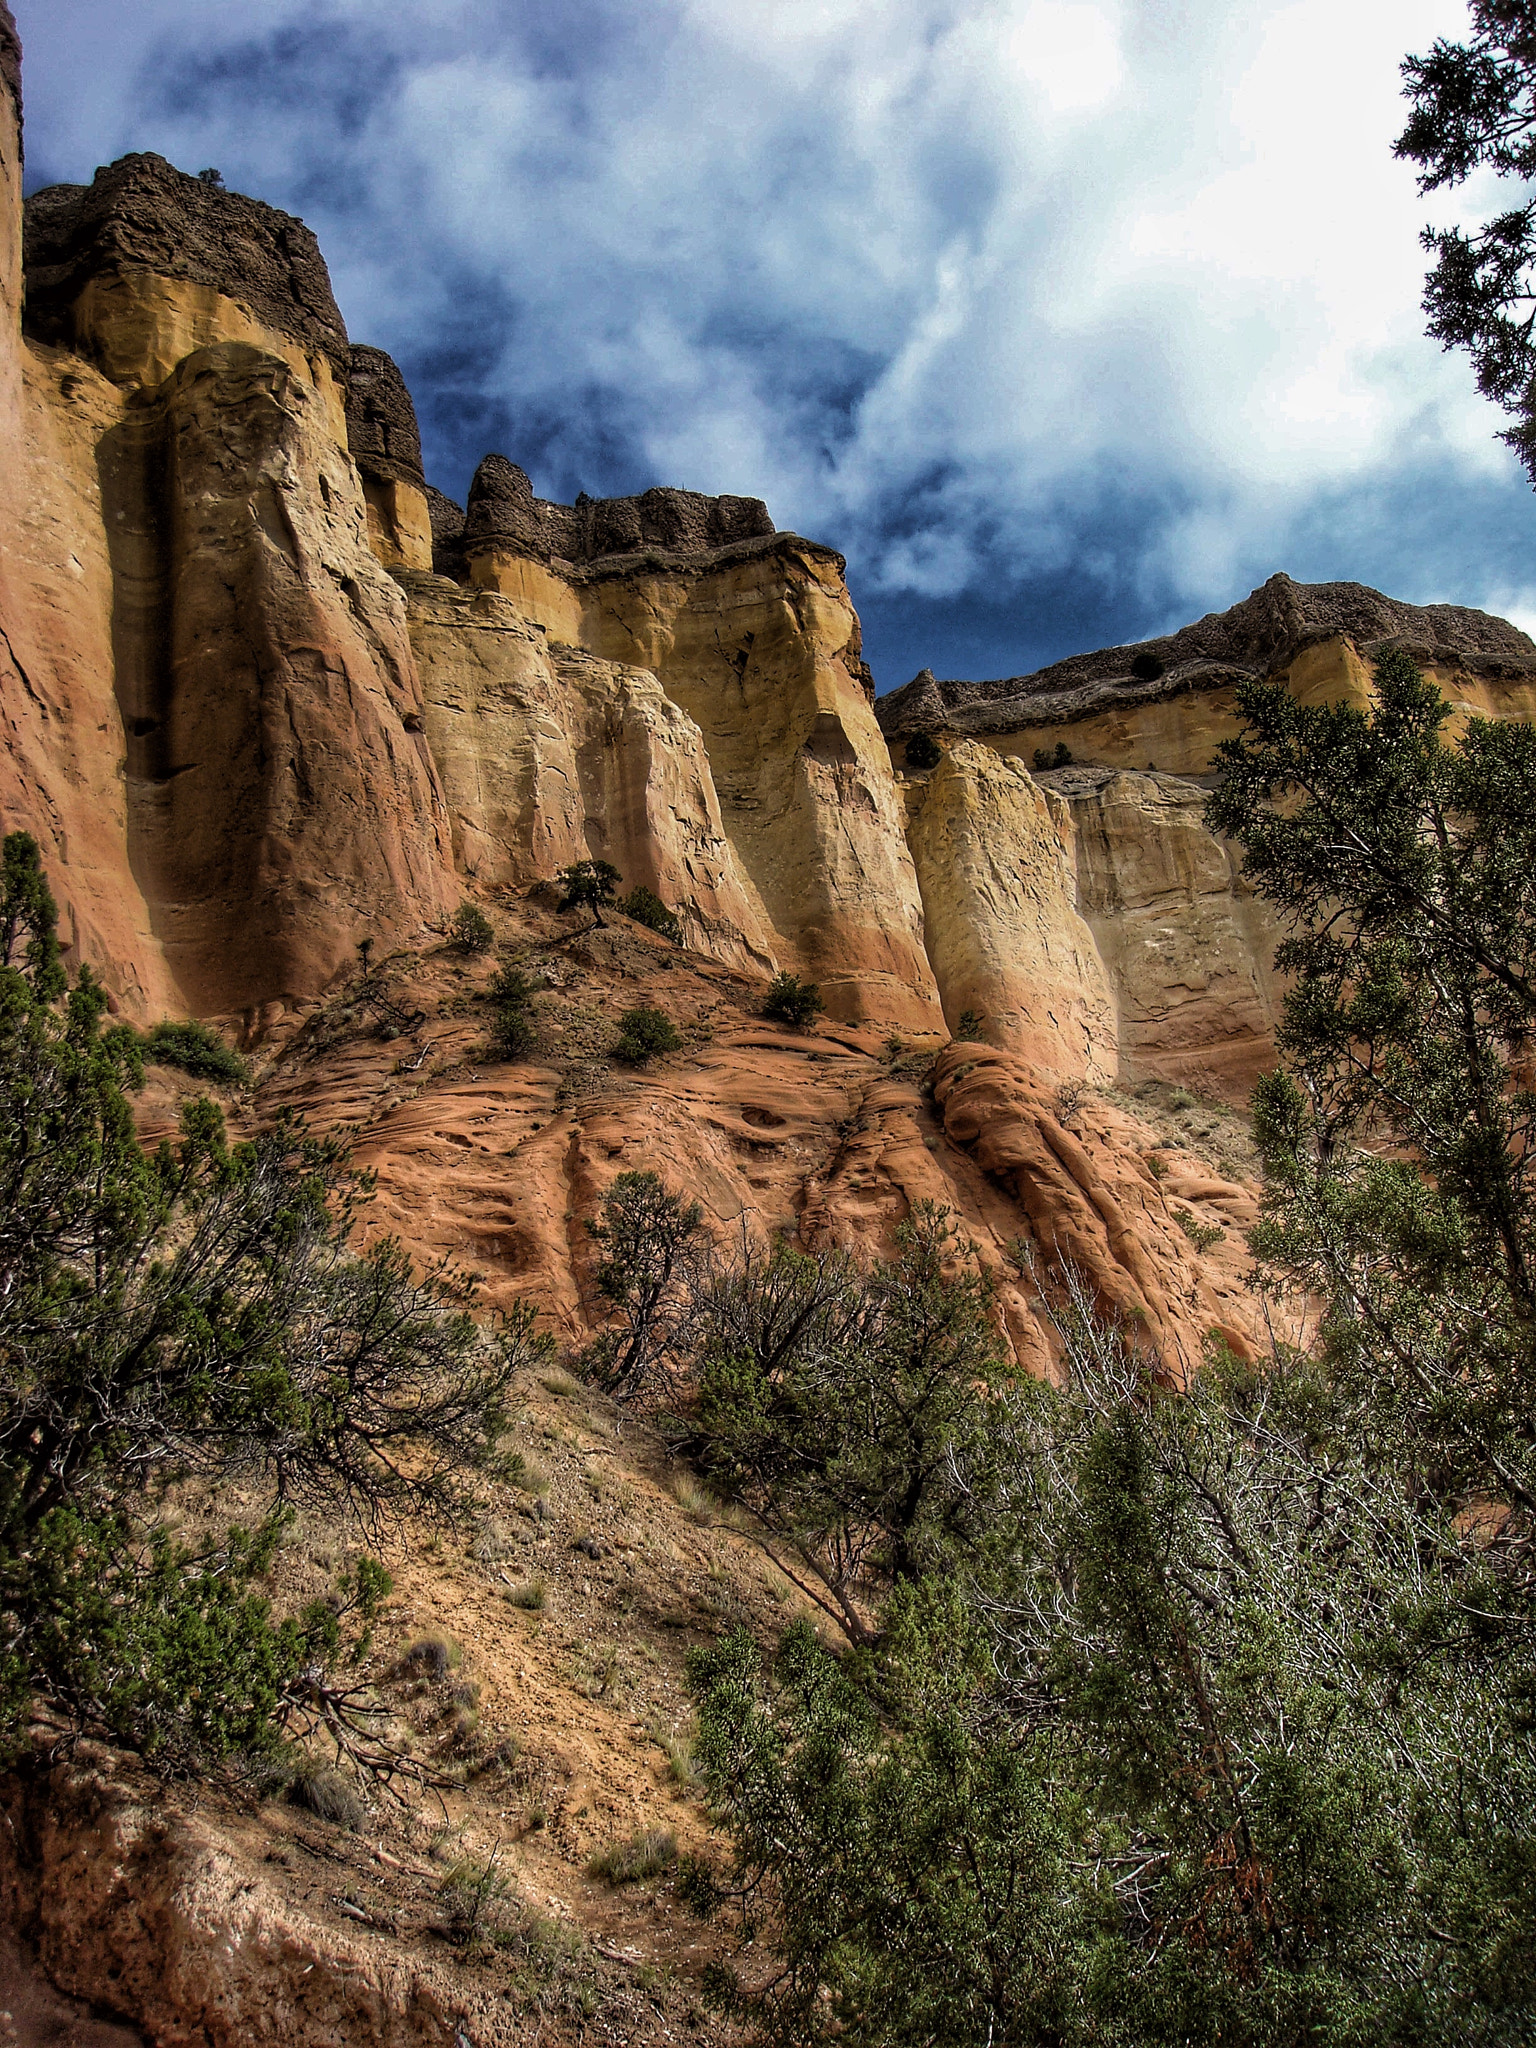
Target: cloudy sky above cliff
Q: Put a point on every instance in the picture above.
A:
(1067, 320)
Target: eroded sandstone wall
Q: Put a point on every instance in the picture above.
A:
(551, 755)
(996, 858)
(217, 736)
(61, 731)
(753, 637)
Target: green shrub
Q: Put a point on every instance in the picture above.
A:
(531, 1595)
(1146, 668)
(470, 930)
(588, 885)
(647, 908)
(646, 1854)
(195, 1050)
(923, 751)
(514, 1033)
(1060, 757)
(643, 1034)
(792, 1001)
(1201, 1235)
(971, 1025)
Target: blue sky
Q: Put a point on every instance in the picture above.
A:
(1066, 320)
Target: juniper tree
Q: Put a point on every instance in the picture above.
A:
(195, 1312)
(1474, 110)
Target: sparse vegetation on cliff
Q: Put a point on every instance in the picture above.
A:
(196, 1050)
(643, 1034)
(514, 1033)
(647, 908)
(588, 885)
(193, 1313)
(470, 931)
(792, 1001)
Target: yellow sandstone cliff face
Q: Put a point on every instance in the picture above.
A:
(550, 755)
(218, 741)
(1185, 947)
(756, 645)
(996, 859)
(61, 731)
(283, 804)
(1178, 944)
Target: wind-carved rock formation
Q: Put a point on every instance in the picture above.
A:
(663, 681)
(770, 817)
(385, 443)
(1178, 978)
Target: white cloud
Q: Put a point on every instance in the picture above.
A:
(939, 278)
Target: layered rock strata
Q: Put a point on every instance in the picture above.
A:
(1126, 698)
(1177, 978)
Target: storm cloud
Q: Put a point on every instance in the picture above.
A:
(1066, 320)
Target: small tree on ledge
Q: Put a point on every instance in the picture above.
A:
(793, 1001)
(588, 885)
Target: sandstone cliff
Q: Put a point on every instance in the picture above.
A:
(219, 743)
(1177, 979)
(267, 694)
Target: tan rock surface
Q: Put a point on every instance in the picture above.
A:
(282, 800)
(1187, 949)
(822, 1135)
(549, 755)
(61, 761)
(996, 861)
(762, 653)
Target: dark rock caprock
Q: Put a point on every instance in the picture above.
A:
(504, 511)
(142, 214)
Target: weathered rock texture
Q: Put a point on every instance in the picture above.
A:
(1267, 631)
(503, 514)
(1178, 979)
(552, 755)
(216, 733)
(283, 803)
(142, 217)
(385, 443)
(997, 862)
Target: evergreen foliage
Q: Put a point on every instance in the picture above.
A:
(643, 1034)
(792, 1001)
(514, 1034)
(647, 908)
(923, 752)
(652, 1259)
(848, 1413)
(196, 1050)
(188, 1314)
(470, 930)
(588, 885)
(1474, 111)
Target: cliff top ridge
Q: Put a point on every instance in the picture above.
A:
(1265, 630)
(141, 213)
(381, 419)
(503, 511)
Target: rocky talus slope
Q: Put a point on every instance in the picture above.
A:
(268, 696)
